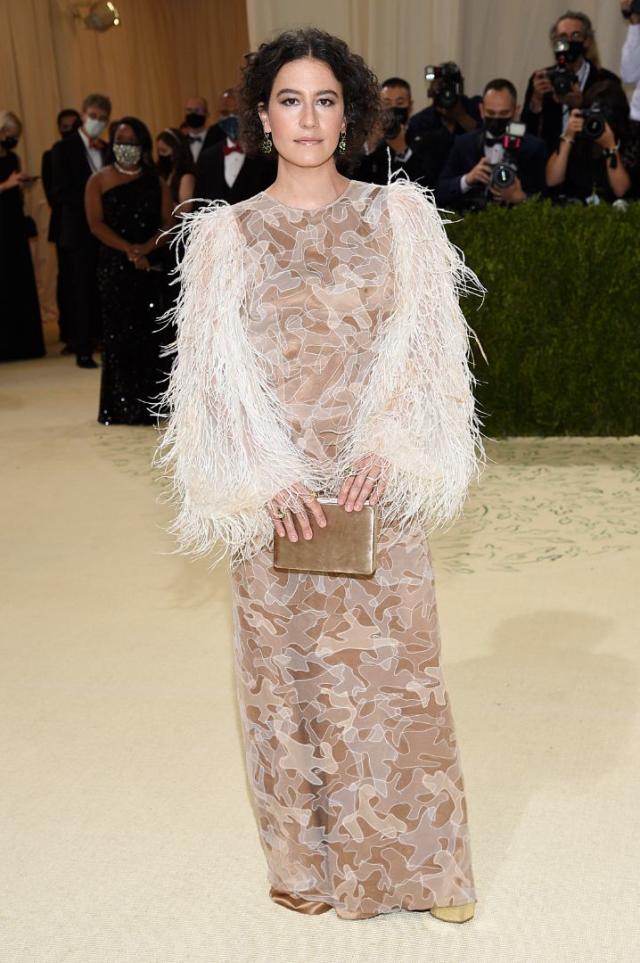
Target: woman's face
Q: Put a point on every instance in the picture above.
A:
(163, 149)
(305, 113)
(10, 133)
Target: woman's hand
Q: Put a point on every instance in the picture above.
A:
(369, 475)
(299, 508)
(141, 263)
(607, 139)
(133, 251)
(575, 125)
(13, 180)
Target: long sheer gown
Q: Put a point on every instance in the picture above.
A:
(349, 737)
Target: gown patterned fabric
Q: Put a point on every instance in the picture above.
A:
(349, 737)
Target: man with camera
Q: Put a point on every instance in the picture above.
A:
(451, 113)
(499, 162)
(594, 160)
(553, 92)
(389, 144)
(630, 67)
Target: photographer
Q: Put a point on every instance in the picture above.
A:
(596, 156)
(554, 92)
(391, 140)
(630, 66)
(451, 113)
(468, 178)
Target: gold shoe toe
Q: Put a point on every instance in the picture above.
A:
(454, 914)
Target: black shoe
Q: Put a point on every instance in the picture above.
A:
(85, 361)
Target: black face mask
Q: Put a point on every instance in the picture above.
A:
(196, 121)
(9, 143)
(68, 133)
(165, 165)
(495, 127)
(402, 113)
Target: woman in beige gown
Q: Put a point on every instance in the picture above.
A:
(319, 348)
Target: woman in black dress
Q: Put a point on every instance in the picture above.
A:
(176, 167)
(128, 207)
(21, 324)
(597, 169)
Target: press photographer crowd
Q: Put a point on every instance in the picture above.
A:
(573, 138)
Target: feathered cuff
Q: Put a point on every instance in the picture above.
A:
(418, 408)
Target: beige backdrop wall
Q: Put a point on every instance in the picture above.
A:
(488, 38)
(164, 51)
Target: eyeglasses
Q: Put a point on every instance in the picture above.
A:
(576, 35)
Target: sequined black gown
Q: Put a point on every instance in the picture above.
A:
(131, 302)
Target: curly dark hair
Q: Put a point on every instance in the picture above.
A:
(360, 87)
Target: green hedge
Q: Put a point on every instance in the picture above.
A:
(561, 321)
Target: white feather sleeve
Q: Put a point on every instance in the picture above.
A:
(225, 447)
(418, 409)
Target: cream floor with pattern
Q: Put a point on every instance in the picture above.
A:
(127, 831)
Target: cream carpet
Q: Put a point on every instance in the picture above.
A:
(127, 829)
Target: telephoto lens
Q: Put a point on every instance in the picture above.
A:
(504, 174)
(594, 121)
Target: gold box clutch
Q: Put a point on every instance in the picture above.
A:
(347, 546)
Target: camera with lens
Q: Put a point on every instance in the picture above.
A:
(595, 118)
(561, 77)
(505, 173)
(634, 8)
(450, 83)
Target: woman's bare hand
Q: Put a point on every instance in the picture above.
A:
(369, 477)
(298, 508)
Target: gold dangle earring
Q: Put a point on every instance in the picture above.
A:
(342, 143)
(267, 143)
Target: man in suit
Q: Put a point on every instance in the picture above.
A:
(68, 122)
(433, 130)
(194, 127)
(74, 159)
(225, 172)
(388, 148)
(546, 114)
(466, 177)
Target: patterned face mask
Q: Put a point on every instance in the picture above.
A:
(128, 154)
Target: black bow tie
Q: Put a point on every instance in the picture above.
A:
(193, 137)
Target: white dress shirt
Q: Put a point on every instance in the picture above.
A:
(494, 153)
(94, 156)
(232, 163)
(630, 66)
(582, 75)
(195, 145)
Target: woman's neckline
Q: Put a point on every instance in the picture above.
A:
(310, 210)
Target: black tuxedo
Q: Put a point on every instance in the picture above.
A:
(71, 170)
(255, 175)
(374, 167)
(548, 123)
(465, 154)
(428, 133)
(212, 135)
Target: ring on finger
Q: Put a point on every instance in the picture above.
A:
(280, 513)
